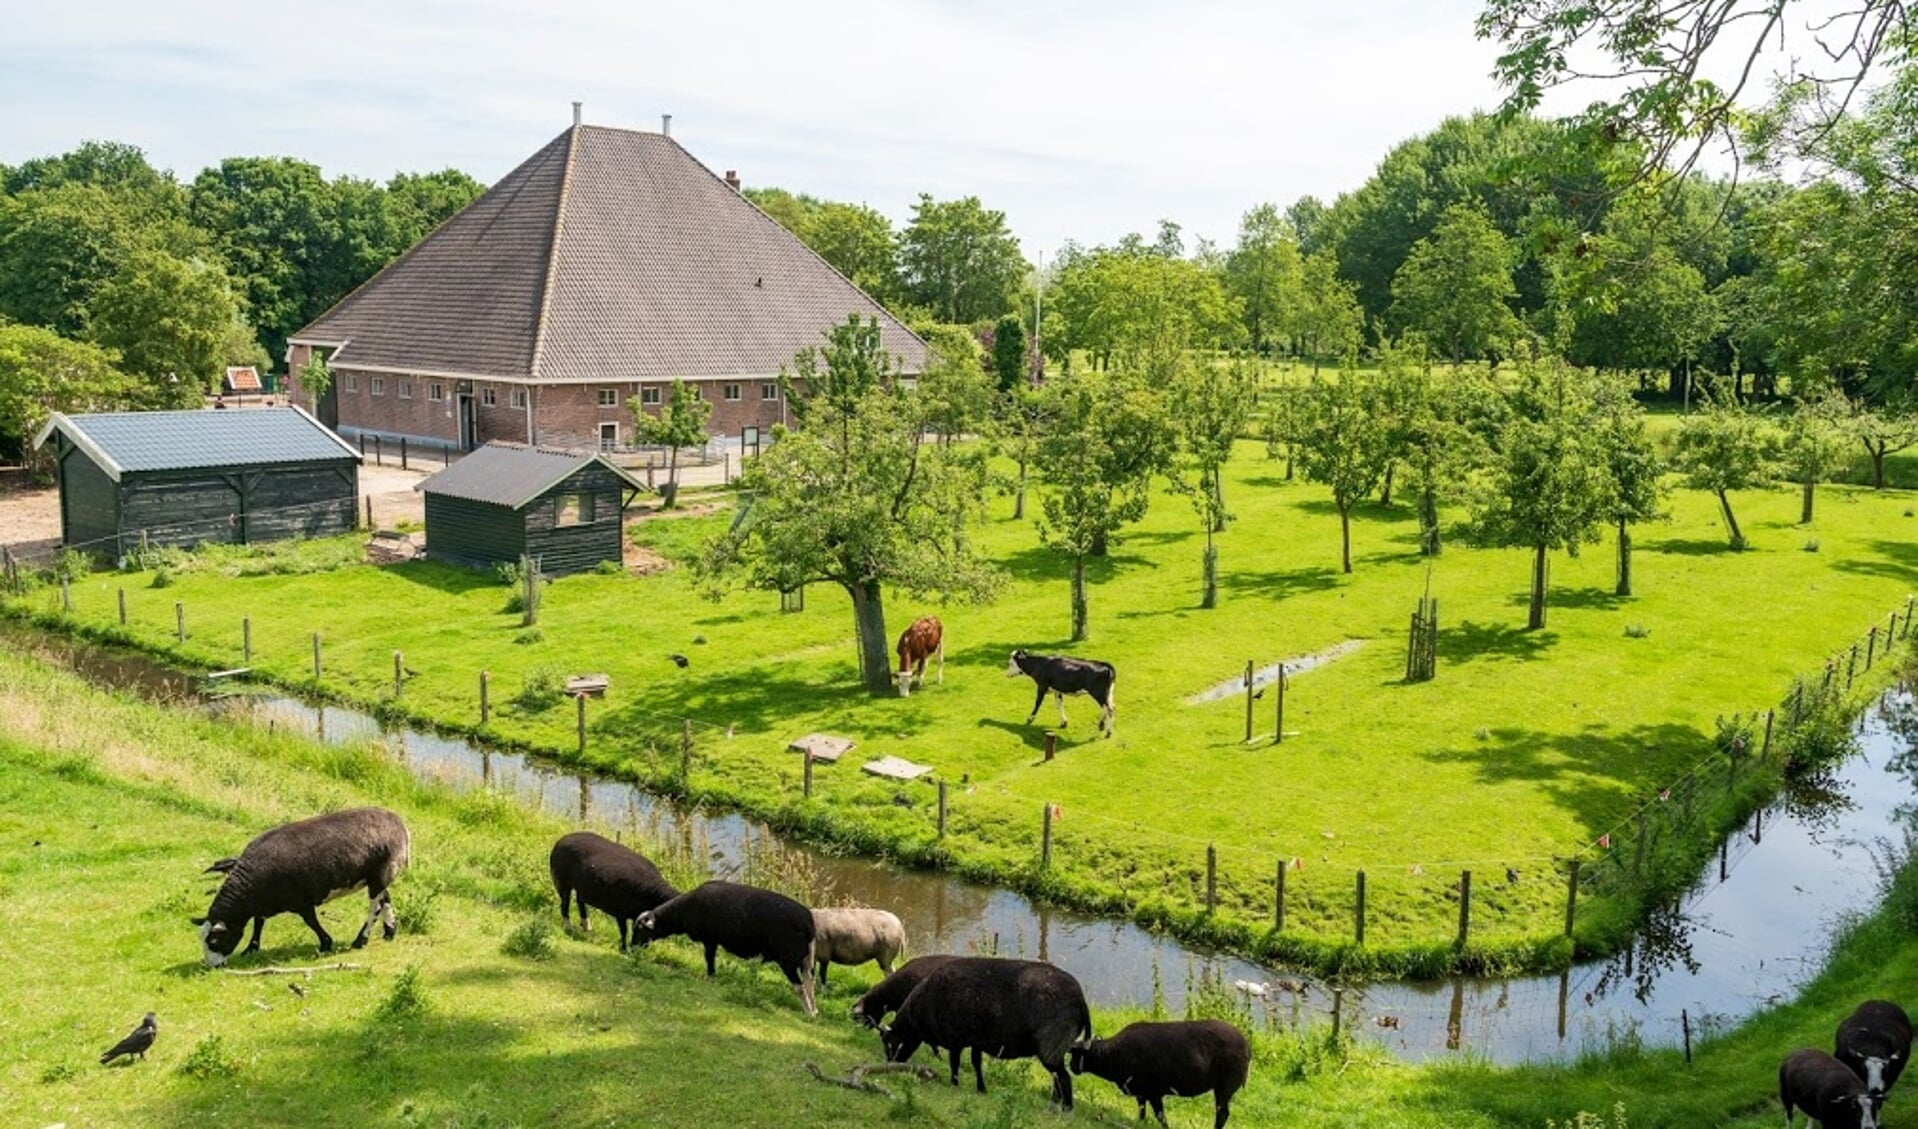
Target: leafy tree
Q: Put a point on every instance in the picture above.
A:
(1633, 469)
(1017, 426)
(1633, 299)
(315, 378)
(954, 392)
(1009, 352)
(1328, 321)
(1307, 217)
(170, 320)
(1885, 430)
(420, 202)
(858, 241)
(1723, 448)
(1817, 435)
(856, 498)
(1265, 273)
(42, 373)
(1136, 308)
(1106, 436)
(958, 258)
(1547, 486)
(1436, 428)
(58, 246)
(1210, 405)
(1455, 286)
(680, 422)
(1338, 434)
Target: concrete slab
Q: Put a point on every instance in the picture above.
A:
(822, 746)
(895, 768)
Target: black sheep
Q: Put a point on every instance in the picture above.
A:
(748, 922)
(1005, 1008)
(886, 996)
(1826, 1090)
(616, 880)
(1875, 1041)
(297, 867)
(1151, 1061)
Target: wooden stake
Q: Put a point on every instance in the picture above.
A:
(1045, 838)
(123, 607)
(316, 657)
(1358, 915)
(1248, 700)
(1871, 646)
(486, 708)
(399, 676)
(1571, 899)
(66, 595)
(1765, 749)
(581, 699)
(1052, 744)
(1464, 907)
(805, 787)
(246, 640)
(1278, 900)
(1278, 729)
(942, 809)
(369, 513)
(1685, 1024)
(1338, 1011)
(1211, 878)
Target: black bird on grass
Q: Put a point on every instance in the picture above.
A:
(679, 661)
(136, 1043)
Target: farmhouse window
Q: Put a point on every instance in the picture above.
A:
(573, 509)
(379, 386)
(769, 391)
(608, 436)
(732, 393)
(609, 397)
(519, 397)
(436, 391)
(406, 388)
(488, 398)
(649, 395)
(350, 382)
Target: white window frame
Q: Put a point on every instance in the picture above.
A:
(768, 392)
(406, 388)
(649, 396)
(349, 382)
(435, 391)
(519, 398)
(379, 386)
(489, 398)
(731, 392)
(608, 397)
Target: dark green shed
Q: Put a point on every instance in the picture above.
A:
(185, 478)
(505, 500)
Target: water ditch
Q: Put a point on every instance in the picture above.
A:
(1748, 933)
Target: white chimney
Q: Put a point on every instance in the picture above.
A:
(576, 107)
(666, 124)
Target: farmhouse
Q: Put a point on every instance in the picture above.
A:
(190, 477)
(606, 266)
(505, 500)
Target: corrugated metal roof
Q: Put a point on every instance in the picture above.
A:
(611, 254)
(511, 475)
(184, 440)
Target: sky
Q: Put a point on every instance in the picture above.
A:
(1078, 120)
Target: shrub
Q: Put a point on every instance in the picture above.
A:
(509, 573)
(1637, 631)
(162, 578)
(608, 568)
(1824, 733)
(57, 1072)
(405, 1000)
(416, 912)
(540, 689)
(1811, 544)
(530, 635)
(531, 939)
(210, 1059)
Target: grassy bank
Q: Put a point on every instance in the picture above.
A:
(1526, 749)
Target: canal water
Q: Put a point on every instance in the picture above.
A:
(1747, 934)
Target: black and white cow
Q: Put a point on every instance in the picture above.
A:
(1058, 675)
(296, 867)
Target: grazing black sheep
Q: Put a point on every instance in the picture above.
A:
(1875, 1041)
(297, 867)
(748, 922)
(1005, 1008)
(887, 995)
(1151, 1061)
(1826, 1090)
(616, 880)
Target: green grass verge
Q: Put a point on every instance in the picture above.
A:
(1526, 747)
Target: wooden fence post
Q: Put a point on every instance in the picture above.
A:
(805, 787)
(1052, 743)
(246, 640)
(1248, 700)
(1278, 727)
(1211, 878)
(1909, 601)
(1851, 666)
(123, 607)
(686, 752)
(1045, 837)
(1278, 900)
(1685, 1025)
(66, 594)
(1571, 899)
(179, 620)
(1765, 749)
(486, 707)
(1464, 907)
(581, 699)
(316, 658)
(1871, 646)
(399, 670)
(942, 809)
(1358, 915)
(1338, 1011)
(402, 452)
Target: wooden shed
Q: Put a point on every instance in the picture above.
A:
(191, 477)
(505, 500)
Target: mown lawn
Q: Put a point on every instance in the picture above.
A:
(109, 809)
(1524, 750)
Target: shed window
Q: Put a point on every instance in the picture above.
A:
(379, 386)
(436, 391)
(573, 509)
(406, 388)
(349, 382)
(609, 397)
(519, 397)
(649, 395)
(488, 398)
(732, 392)
(769, 391)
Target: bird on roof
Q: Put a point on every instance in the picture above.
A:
(679, 661)
(136, 1043)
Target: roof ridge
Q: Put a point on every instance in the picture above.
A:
(552, 254)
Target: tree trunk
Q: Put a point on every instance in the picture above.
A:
(1731, 523)
(1537, 619)
(1624, 559)
(1078, 599)
(1098, 546)
(1345, 536)
(1288, 464)
(1804, 509)
(1428, 523)
(672, 479)
(1019, 496)
(869, 618)
(1877, 452)
(1218, 502)
(1385, 492)
(1209, 598)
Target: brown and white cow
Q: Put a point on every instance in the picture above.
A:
(925, 639)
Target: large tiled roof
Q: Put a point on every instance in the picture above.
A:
(609, 255)
(511, 475)
(186, 440)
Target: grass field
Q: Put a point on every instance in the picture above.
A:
(1524, 750)
(109, 809)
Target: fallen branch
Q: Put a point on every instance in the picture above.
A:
(857, 1080)
(293, 970)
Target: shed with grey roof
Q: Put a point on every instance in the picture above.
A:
(129, 479)
(505, 501)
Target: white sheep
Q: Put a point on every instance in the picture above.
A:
(854, 935)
